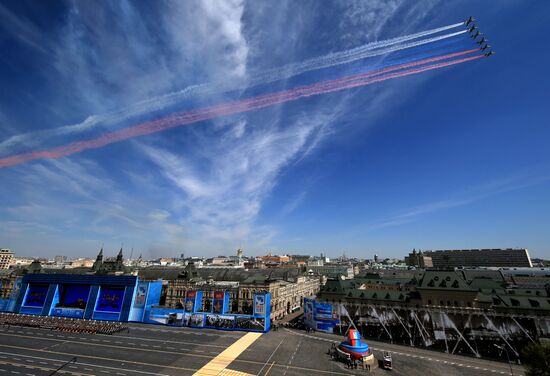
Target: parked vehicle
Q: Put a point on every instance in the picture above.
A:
(387, 361)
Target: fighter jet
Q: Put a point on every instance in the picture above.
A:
(482, 40)
(469, 20)
(474, 36)
(483, 48)
(489, 53)
(472, 28)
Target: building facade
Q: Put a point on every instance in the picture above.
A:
(497, 257)
(454, 310)
(6, 258)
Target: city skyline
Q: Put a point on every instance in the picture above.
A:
(450, 159)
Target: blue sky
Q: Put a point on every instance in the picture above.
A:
(454, 158)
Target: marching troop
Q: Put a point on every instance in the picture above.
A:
(63, 324)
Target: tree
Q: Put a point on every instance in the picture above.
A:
(536, 357)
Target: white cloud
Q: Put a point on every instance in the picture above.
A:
(218, 185)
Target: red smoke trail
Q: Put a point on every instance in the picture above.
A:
(230, 108)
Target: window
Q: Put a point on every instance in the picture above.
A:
(534, 303)
(515, 302)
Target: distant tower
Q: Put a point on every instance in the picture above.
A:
(376, 258)
(239, 253)
(119, 256)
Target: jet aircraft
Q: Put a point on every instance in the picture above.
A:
(482, 40)
(474, 36)
(489, 53)
(483, 48)
(469, 20)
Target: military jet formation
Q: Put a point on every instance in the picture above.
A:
(475, 33)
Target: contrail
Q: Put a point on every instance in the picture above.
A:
(290, 70)
(246, 105)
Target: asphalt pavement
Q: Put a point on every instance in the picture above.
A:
(161, 350)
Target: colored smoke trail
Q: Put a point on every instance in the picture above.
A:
(287, 71)
(344, 57)
(246, 105)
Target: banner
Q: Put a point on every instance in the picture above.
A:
(141, 295)
(259, 305)
(193, 301)
(166, 316)
(249, 323)
(220, 303)
(68, 312)
(197, 320)
(220, 321)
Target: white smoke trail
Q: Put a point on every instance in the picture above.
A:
(160, 102)
(342, 58)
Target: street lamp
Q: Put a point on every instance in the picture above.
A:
(507, 356)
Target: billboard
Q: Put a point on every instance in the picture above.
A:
(110, 299)
(73, 296)
(36, 296)
(190, 314)
(319, 316)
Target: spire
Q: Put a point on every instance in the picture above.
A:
(98, 261)
(119, 256)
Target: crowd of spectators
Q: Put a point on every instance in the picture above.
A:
(63, 324)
